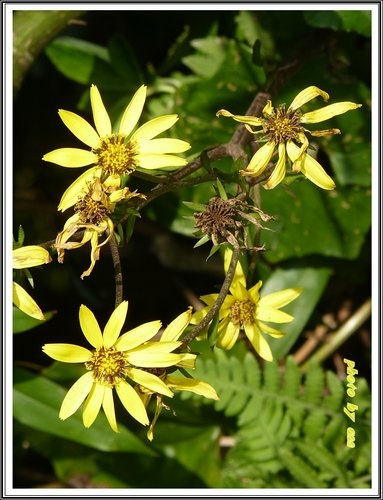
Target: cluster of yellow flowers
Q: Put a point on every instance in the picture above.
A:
(148, 355)
(114, 155)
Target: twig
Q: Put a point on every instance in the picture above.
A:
(218, 303)
(342, 334)
(117, 269)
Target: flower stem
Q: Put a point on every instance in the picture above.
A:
(221, 297)
(342, 334)
(117, 269)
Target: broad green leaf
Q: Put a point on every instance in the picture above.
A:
(359, 21)
(76, 58)
(311, 221)
(196, 448)
(313, 281)
(37, 401)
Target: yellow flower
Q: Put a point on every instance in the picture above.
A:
(25, 257)
(122, 152)
(92, 212)
(114, 357)
(175, 382)
(283, 129)
(244, 309)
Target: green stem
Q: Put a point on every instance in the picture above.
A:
(342, 334)
(32, 31)
(218, 303)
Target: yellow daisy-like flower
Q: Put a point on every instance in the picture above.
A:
(121, 152)
(92, 212)
(176, 382)
(23, 258)
(285, 133)
(244, 309)
(112, 359)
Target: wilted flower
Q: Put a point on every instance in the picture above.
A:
(92, 216)
(113, 359)
(23, 258)
(284, 132)
(226, 220)
(244, 309)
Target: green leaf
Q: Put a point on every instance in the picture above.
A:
(347, 20)
(311, 221)
(196, 448)
(37, 401)
(313, 281)
(22, 322)
(209, 55)
(76, 58)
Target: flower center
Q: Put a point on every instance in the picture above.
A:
(242, 312)
(92, 210)
(108, 366)
(115, 156)
(282, 125)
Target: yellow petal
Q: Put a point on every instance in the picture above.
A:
(76, 395)
(174, 330)
(30, 256)
(90, 327)
(154, 161)
(279, 171)
(67, 353)
(154, 127)
(25, 303)
(258, 342)
(327, 112)
(268, 109)
(149, 381)
(137, 336)
(108, 407)
(307, 95)
(315, 173)
(260, 160)
(270, 331)
(280, 298)
(71, 157)
(188, 360)
(192, 385)
(228, 335)
(149, 359)
(93, 404)
(254, 292)
(94, 252)
(115, 323)
(80, 128)
(78, 188)
(249, 120)
(310, 168)
(100, 115)
(133, 111)
(132, 402)
(164, 145)
(273, 315)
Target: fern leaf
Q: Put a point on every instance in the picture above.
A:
(314, 384)
(300, 470)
